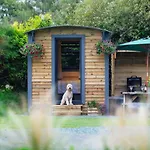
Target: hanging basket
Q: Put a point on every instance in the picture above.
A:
(106, 47)
(33, 50)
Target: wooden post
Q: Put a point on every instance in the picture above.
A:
(112, 72)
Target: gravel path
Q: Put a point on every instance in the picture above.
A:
(84, 138)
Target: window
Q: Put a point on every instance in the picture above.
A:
(70, 55)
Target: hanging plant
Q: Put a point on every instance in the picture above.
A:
(34, 50)
(106, 47)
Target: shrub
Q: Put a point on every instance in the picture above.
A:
(9, 100)
(13, 65)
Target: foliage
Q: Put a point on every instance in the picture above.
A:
(46, 20)
(128, 20)
(8, 99)
(34, 23)
(15, 10)
(106, 47)
(91, 13)
(42, 6)
(102, 108)
(71, 147)
(4, 11)
(64, 11)
(13, 64)
(4, 29)
(34, 50)
(8, 87)
(92, 104)
(23, 148)
(2, 32)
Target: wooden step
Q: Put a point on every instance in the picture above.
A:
(67, 113)
(67, 107)
(66, 110)
(84, 109)
(57, 109)
(92, 111)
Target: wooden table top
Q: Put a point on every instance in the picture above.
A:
(136, 92)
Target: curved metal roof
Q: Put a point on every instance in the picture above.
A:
(69, 26)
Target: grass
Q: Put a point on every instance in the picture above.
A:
(120, 132)
(59, 122)
(75, 122)
(71, 122)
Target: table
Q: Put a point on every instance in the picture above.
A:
(131, 93)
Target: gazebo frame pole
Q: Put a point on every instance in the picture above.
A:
(147, 74)
(147, 65)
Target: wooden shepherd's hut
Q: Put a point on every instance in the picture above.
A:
(70, 56)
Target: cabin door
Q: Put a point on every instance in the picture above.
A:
(68, 68)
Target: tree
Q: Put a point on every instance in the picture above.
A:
(41, 6)
(63, 11)
(12, 10)
(127, 19)
(7, 8)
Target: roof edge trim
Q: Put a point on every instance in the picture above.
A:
(69, 26)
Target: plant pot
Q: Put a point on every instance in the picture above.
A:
(92, 111)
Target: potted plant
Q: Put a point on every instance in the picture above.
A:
(92, 107)
(33, 50)
(106, 47)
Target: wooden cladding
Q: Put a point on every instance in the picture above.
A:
(94, 64)
(128, 64)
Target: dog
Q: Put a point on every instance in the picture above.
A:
(68, 95)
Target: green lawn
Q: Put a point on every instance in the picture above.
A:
(71, 122)
(57, 121)
(74, 122)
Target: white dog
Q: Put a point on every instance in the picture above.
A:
(68, 95)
